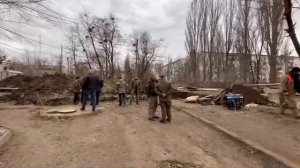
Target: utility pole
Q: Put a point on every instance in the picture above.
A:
(61, 60)
(40, 45)
(246, 51)
(68, 63)
(136, 45)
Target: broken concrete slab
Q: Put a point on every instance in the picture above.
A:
(191, 99)
(61, 111)
(66, 113)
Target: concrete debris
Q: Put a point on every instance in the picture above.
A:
(207, 100)
(184, 94)
(251, 105)
(191, 99)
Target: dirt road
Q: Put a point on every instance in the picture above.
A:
(118, 138)
(262, 125)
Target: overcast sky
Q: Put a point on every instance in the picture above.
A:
(162, 18)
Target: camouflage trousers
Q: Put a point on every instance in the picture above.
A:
(166, 110)
(152, 106)
(288, 102)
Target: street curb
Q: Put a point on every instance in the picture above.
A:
(242, 140)
(5, 137)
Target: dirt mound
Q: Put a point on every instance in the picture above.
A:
(250, 95)
(33, 87)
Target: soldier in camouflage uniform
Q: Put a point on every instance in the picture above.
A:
(163, 89)
(287, 97)
(135, 90)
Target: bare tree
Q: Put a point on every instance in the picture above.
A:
(257, 43)
(272, 12)
(127, 68)
(88, 25)
(215, 13)
(158, 68)
(109, 38)
(101, 42)
(83, 41)
(284, 62)
(291, 27)
(228, 26)
(244, 21)
(193, 35)
(72, 47)
(146, 50)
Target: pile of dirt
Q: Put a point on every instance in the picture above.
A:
(250, 95)
(33, 88)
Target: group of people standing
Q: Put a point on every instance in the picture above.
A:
(158, 91)
(135, 88)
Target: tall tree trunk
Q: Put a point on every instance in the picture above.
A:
(291, 29)
(247, 55)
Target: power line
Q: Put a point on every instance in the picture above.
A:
(14, 47)
(70, 19)
(27, 38)
(5, 45)
(28, 24)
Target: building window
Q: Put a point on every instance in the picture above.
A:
(5, 68)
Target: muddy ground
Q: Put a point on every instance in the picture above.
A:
(119, 138)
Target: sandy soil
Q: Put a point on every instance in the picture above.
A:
(118, 138)
(262, 125)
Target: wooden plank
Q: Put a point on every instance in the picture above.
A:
(8, 89)
(266, 84)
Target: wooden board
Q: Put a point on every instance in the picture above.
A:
(8, 89)
(63, 111)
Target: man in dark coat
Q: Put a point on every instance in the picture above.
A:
(90, 86)
(152, 98)
(164, 89)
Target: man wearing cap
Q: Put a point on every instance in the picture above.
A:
(287, 97)
(135, 90)
(163, 89)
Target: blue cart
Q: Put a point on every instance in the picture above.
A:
(234, 101)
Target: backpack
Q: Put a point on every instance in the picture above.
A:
(297, 83)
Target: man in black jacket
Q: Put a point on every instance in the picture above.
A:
(152, 98)
(90, 85)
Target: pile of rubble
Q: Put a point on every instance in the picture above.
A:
(46, 90)
(250, 95)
